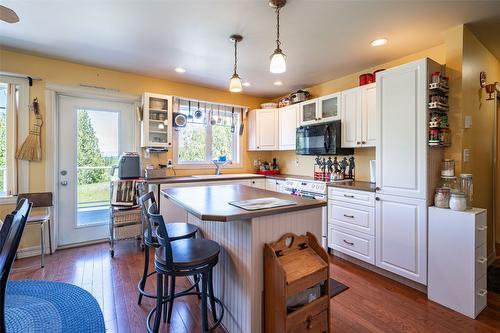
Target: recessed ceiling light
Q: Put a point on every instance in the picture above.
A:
(246, 84)
(180, 70)
(278, 83)
(378, 42)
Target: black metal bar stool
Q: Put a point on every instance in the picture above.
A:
(176, 231)
(184, 257)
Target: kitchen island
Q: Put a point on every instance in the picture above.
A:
(239, 275)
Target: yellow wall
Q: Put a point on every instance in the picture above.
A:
(480, 138)
(72, 74)
(287, 160)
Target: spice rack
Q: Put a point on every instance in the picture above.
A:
(295, 266)
(439, 133)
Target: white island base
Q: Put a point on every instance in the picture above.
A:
(239, 275)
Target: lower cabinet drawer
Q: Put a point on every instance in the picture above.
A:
(481, 298)
(352, 243)
(313, 324)
(353, 217)
(481, 261)
(481, 230)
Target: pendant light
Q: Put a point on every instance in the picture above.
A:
(278, 63)
(235, 82)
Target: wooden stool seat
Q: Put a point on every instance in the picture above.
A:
(38, 218)
(188, 253)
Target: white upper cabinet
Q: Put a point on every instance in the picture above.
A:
(401, 152)
(369, 115)
(359, 117)
(156, 124)
(351, 118)
(263, 131)
(319, 110)
(287, 127)
(308, 112)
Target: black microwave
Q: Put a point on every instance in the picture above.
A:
(321, 139)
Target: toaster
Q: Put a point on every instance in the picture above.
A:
(129, 166)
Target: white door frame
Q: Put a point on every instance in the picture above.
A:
(51, 138)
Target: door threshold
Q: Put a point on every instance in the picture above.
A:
(69, 246)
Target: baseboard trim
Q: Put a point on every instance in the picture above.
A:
(383, 272)
(31, 251)
(69, 246)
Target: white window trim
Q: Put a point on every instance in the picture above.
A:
(205, 164)
(23, 125)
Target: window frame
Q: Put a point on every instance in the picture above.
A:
(207, 164)
(21, 123)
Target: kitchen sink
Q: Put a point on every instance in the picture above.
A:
(226, 175)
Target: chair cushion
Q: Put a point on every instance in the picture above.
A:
(46, 306)
(189, 252)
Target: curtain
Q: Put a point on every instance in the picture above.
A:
(12, 108)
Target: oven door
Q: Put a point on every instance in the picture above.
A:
(314, 140)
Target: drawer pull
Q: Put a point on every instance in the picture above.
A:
(349, 216)
(482, 292)
(348, 243)
(349, 196)
(482, 228)
(482, 260)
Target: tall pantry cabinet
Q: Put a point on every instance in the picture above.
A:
(407, 169)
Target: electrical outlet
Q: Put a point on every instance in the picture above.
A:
(296, 162)
(468, 121)
(146, 154)
(467, 155)
(169, 163)
(255, 163)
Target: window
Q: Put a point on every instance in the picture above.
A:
(13, 109)
(212, 131)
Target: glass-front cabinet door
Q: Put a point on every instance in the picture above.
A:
(156, 121)
(308, 112)
(329, 107)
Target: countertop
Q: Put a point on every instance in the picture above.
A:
(354, 185)
(211, 203)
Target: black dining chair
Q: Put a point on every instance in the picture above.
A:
(184, 257)
(176, 231)
(36, 305)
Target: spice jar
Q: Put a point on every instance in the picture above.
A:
(442, 198)
(435, 77)
(449, 182)
(448, 168)
(457, 201)
(466, 187)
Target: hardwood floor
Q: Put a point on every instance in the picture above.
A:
(372, 303)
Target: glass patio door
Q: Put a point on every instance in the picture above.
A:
(92, 135)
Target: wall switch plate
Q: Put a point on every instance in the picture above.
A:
(146, 154)
(467, 152)
(468, 121)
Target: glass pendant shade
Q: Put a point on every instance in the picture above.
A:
(235, 83)
(278, 63)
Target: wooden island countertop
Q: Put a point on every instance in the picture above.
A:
(211, 203)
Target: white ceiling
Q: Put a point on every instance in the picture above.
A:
(323, 39)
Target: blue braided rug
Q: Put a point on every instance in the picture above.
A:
(46, 307)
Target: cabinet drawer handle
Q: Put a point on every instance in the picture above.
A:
(309, 321)
(349, 216)
(363, 142)
(482, 260)
(348, 243)
(482, 292)
(358, 142)
(482, 228)
(349, 196)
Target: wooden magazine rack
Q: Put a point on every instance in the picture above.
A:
(292, 265)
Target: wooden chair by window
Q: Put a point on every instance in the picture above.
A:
(40, 200)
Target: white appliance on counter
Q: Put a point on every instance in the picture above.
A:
(313, 189)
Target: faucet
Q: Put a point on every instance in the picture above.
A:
(218, 166)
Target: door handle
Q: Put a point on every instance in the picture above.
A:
(64, 182)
